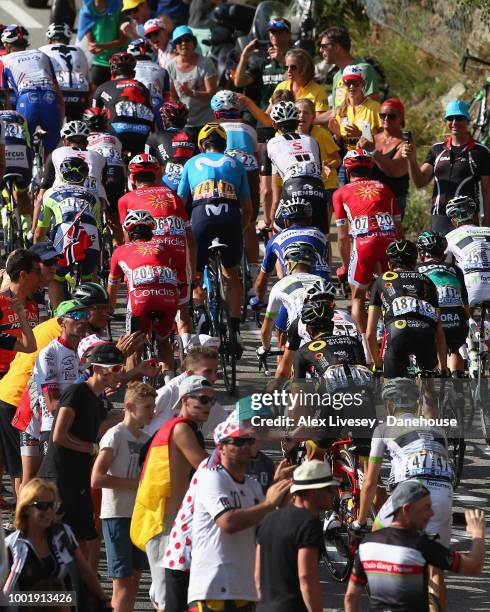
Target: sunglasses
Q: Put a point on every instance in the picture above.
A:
(456, 118)
(292, 67)
(50, 262)
(203, 399)
(352, 83)
(325, 46)
(43, 505)
(275, 23)
(78, 315)
(115, 369)
(389, 116)
(240, 441)
(184, 39)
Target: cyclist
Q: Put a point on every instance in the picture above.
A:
(241, 143)
(296, 159)
(30, 75)
(72, 214)
(451, 291)
(470, 245)
(172, 226)
(128, 104)
(151, 75)
(221, 208)
(71, 68)
(174, 145)
(151, 282)
(417, 452)
(368, 210)
(410, 307)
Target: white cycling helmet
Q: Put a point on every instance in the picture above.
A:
(138, 217)
(225, 100)
(58, 30)
(284, 111)
(13, 33)
(72, 129)
(320, 290)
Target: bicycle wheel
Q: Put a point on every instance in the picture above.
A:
(452, 409)
(245, 280)
(228, 348)
(481, 397)
(337, 557)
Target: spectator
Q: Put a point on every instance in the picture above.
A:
(459, 165)
(290, 541)
(156, 32)
(176, 450)
(41, 550)
(116, 471)
(299, 79)
(73, 441)
(228, 506)
(193, 79)
(138, 12)
(100, 21)
(199, 12)
(393, 561)
(49, 261)
(176, 10)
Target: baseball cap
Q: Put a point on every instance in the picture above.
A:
(68, 306)
(279, 23)
(153, 25)
(193, 383)
(180, 31)
(353, 73)
(45, 250)
(407, 492)
(203, 340)
(230, 428)
(313, 475)
(106, 354)
(457, 107)
(131, 4)
(87, 343)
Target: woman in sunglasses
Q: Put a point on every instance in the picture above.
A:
(41, 551)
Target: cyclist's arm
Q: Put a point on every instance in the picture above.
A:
(246, 211)
(112, 286)
(309, 582)
(485, 186)
(371, 334)
(192, 247)
(266, 331)
(344, 244)
(369, 486)
(276, 194)
(43, 223)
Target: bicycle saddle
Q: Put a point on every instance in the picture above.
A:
(216, 244)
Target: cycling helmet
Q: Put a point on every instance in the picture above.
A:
(75, 129)
(358, 158)
(68, 306)
(433, 243)
(295, 208)
(461, 208)
(74, 170)
(320, 291)
(58, 30)
(225, 100)
(138, 217)
(140, 48)
(144, 162)
(90, 294)
(401, 392)
(120, 60)
(174, 111)
(284, 111)
(95, 119)
(300, 252)
(402, 252)
(316, 314)
(210, 129)
(13, 33)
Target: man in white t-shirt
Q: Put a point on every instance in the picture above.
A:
(228, 506)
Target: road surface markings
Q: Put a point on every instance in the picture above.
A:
(19, 14)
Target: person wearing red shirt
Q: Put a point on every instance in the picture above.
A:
(172, 226)
(151, 281)
(366, 209)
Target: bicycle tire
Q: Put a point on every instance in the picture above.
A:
(451, 409)
(227, 349)
(245, 280)
(481, 402)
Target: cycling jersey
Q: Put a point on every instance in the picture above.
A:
(18, 156)
(470, 245)
(241, 143)
(277, 245)
(108, 146)
(172, 148)
(457, 171)
(9, 317)
(295, 155)
(96, 165)
(171, 219)
(56, 368)
(370, 209)
(157, 81)
(326, 350)
(343, 325)
(290, 293)
(151, 283)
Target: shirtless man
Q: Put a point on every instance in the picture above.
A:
(152, 520)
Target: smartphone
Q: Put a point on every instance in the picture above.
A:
(366, 130)
(407, 135)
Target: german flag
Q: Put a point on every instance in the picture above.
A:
(154, 489)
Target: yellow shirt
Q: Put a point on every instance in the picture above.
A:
(367, 111)
(15, 381)
(327, 146)
(311, 91)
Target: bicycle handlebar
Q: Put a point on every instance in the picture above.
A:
(262, 357)
(473, 58)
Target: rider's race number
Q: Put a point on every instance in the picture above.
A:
(173, 168)
(428, 462)
(14, 130)
(477, 259)
(72, 80)
(449, 296)
(153, 275)
(248, 160)
(170, 225)
(306, 168)
(406, 304)
(211, 189)
(133, 109)
(385, 222)
(359, 226)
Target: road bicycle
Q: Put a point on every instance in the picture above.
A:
(246, 280)
(150, 351)
(13, 237)
(478, 104)
(106, 250)
(219, 314)
(262, 358)
(37, 163)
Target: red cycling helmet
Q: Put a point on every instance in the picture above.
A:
(118, 60)
(357, 158)
(95, 119)
(144, 162)
(174, 111)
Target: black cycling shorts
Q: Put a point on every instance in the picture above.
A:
(409, 337)
(132, 143)
(10, 441)
(455, 337)
(311, 190)
(115, 186)
(75, 103)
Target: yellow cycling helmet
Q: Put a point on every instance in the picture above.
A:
(213, 127)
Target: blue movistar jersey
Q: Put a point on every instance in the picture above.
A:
(297, 233)
(214, 178)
